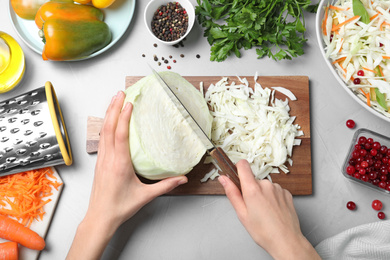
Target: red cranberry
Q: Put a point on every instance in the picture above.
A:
(350, 170)
(376, 145)
(364, 164)
(380, 44)
(382, 185)
(351, 205)
(373, 152)
(381, 215)
(364, 178)
(383, 149)
(362, 140)
(377, 205)
(356, 81)
(350, 123)
(388, 187)
(360, 73)
(370, 140)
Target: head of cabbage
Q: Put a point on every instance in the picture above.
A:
(162, 143)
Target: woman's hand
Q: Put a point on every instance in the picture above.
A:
(117, 193)
(267, 212)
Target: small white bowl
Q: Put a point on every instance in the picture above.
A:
(152, 7)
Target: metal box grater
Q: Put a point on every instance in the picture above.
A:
(32, 132)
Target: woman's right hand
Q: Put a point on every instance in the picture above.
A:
(267, 212)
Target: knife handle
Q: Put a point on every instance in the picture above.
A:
(227, 166)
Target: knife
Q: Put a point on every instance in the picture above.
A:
(227, 166)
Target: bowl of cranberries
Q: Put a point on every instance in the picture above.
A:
(368, 160)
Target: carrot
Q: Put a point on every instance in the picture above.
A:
(22, 195)
(386, 57)
(336, 27)
(339, 60)
(367, 96)
(380, 70)
(373, 71)
(374, 16)
(9, 251)
(336, 8)
(324, 21)
(12, 230)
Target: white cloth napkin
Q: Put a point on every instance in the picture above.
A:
(368, 241)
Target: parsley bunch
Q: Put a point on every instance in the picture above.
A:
(275, 27)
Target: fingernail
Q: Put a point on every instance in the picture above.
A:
(127, 106)
(113, 99)
(222, 180)
(182, 181)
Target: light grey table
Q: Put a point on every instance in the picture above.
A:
(197, 227)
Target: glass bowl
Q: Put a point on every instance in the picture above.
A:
(371, 176)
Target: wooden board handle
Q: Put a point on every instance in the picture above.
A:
(94, 125)
(227, 166)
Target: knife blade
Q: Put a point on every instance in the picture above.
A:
(217, 153)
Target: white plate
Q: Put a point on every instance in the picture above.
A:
(118, 17)
(354, 95)
(41, 227)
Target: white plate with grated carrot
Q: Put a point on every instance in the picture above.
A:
(30, 198)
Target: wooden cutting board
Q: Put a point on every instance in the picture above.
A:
(298, 181)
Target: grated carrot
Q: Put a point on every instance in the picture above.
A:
(367, 96)
(382, 75)
(325, 21)
(336, 27)
(386, 57)
(374, 16)
(23, 195)
(337, 8)
(369, 69)
(339, 60)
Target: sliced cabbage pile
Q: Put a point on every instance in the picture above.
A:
(252, 124)
(162, 144)
(357, 38)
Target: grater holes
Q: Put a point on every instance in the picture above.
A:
(12, 120)
(10, 159)
(48, 157)
(23, 111)
(11, 110)
(35, 154)
(35, 112)
(3, 128)
(4, 139)
(21, 151)
(21, 102)
(8, 149)
(31, 143)
(25, 121)
(35, 102)
(38, 123)
(44, 145)
(2, 109)
(18, 141)
(42, 134)
(11, 101)
(34, 93)
(3, 167)
(14, 130)
(24, 162)
(28, 132)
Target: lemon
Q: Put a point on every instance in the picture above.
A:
(12, 63)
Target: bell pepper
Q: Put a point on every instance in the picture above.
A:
(66, 9)
(71, 31)
(26, 9)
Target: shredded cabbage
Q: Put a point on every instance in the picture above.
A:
(252, 124)
(354, 46)
(162, 143)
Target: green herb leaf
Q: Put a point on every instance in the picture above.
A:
(274, 27)
(359, 9)
(381, 98)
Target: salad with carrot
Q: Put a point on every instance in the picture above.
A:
(357, 38)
